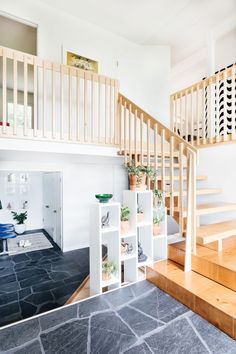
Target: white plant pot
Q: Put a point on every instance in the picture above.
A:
(20, 228)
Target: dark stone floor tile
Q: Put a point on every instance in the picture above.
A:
(169, 308)
(14, 317)
(6, 271)
(68, 338)
(9, 287)
(178, 337)
(36, 255)
(92, 305)
(17, 335)
(39, 298)
(48, 285)
(48, 307)
(148, 304)
(63, 300)
(140, 324)
(7, 298)
(24, 292)
(76, 278)
(28, 273)
(217, 341)
(119, 297)
(142, 287)
(23, 265)
(32, 348)
(109, 334)
(36, 279)
(59, 275)
(20, 258)
(139, 349)
(58, 317)
(7, 310)
(64, 290)
(5, 279)
(27, 310)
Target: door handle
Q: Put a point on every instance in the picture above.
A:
(54, 211)
(47, 206)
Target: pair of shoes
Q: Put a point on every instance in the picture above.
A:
(24, 243)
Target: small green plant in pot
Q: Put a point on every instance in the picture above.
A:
(137, 177)
(157, 220)
(108, 268)
(140, 213)
(124, 219)
(20, 225)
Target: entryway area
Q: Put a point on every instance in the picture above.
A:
(35, 274)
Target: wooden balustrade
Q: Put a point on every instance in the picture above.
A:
(152, 144)
(204, 113)
(56, 102)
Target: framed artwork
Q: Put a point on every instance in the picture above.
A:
(81, 62)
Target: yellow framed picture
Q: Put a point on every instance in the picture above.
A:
(81, 62)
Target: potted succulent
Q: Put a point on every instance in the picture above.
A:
(137, 176)
(124, 219)
(108, 268)
(20, 218)
(157, 220)
(140, 213)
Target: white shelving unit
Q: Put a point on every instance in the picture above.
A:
(154, 247)
(108, 236)
(160, 243)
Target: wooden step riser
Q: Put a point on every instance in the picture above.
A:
(213, 271)
(211, 313)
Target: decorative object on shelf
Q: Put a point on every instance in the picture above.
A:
(140, 213)
(158, 211)
(108, 268)
(124, 219)
(81, 62)
(126, 248)
(105, 220)
(103, 198)
(20, 218)
(9, 206)
(25, 204)
(24, 177)
(141, 256)
(11, 177)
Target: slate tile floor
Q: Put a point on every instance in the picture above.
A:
(136, 319)
(35, 282)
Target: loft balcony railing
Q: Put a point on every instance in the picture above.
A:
(46, 101)
(205, 113)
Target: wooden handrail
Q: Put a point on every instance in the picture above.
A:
(147, 150)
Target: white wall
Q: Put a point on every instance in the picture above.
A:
(143, 71)
(218, 163)
(15, 195)
(218, 54)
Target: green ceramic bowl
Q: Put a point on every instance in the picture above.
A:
(103, 198)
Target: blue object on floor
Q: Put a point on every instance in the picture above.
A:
(6, 231)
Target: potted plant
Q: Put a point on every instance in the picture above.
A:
(124, 219)
(108, 268)
(137, 177)
(157, 220)
(158, 199)
(140, 213)
(20, 218)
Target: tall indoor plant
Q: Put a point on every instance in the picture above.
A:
(20, 225)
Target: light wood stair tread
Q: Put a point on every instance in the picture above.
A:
(202, 191)
(176, 178)
(211, 208)
(213, 232)
(211, 300)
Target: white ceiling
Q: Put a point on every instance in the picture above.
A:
(183, 24)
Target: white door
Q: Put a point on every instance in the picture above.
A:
(52, 205)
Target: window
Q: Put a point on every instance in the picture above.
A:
(20, 115)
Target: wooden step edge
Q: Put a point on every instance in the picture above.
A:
(210, 208)
(215, 232)
(203, 191)
(206, 267)
(210, 300)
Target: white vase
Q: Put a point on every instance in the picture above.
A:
(20, 228)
